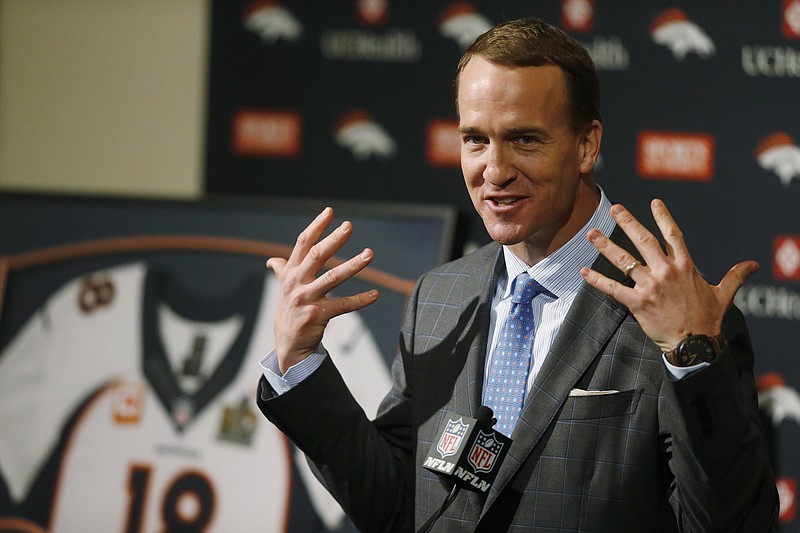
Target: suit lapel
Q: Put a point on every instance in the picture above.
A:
(591, 321)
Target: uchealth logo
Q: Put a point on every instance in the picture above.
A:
(769, 302)
(461, 22)
(577, 16)
(267, 133)
(443, 143)
(779, 154)
(272, 22)
(675, 155)
(791, 19)
(771, 61)
(786, 259)
(363, 137)
(673, 29)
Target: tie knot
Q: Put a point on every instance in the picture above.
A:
(525, 288)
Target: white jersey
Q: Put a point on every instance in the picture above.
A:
(144, 399)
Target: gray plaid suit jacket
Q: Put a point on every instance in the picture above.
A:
(655, 456)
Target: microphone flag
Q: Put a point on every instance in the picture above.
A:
(467, 451)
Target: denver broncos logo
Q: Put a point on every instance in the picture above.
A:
(777, 399)
(357, 132)
(779, 154)
(673, 29)
(462, 23)
(272, 22)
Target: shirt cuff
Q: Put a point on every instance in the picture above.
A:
(677, 373)
(295, 375)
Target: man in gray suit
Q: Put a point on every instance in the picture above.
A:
(639, 410)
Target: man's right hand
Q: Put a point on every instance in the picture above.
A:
(304, 308)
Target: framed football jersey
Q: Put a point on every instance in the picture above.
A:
(131, 336)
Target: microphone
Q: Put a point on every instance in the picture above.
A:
(468, 451)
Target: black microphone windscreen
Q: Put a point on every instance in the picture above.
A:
(484, 416)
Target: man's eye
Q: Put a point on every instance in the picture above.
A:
(472, 139)
(527, 139)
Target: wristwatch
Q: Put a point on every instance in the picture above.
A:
(696, 349)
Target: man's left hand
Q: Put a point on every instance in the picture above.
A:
(670, 299)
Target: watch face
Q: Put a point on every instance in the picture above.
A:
(697, 349)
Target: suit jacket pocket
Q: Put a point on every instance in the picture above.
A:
(602, 406)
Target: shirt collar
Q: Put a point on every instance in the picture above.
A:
(559, 272)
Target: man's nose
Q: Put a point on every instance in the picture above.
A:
(498, 170)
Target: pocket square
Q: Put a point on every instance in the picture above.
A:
(581, 392)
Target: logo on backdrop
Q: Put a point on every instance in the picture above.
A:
(787, 493)
(786, 258)
(577, 16)
(272, 22)
(443, 143)
(675, 155)
(394, 45)
(363, 137)
(776, 61)
(771, 61)
(777, 399)
(778, 153)
(780, 402)
(767, 301)
(372, 12)
(673, 29)
(267, 133)
(791, 19)
(776, 302)
(608, 52)
(461, 22)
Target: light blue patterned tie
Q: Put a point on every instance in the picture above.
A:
(511, 362)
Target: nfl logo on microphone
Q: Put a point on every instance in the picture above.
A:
(484, 452)
(467, 452)
(453, 432)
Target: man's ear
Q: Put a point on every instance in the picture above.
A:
(590, 146)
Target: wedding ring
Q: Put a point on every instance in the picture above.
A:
(631, 267)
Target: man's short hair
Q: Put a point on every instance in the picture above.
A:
(532, 42)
